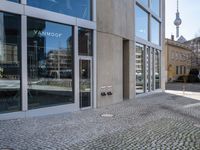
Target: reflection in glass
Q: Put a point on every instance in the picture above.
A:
(157, 69)
(10, 70)
(155, 31)
(155, 6)
(145, 2)
(139, 69)
(152, 69)
(50, 63)
(148, 69)
(141, 26)
(85, 42)
(76, 8)
(85, 83)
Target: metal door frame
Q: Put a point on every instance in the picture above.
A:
(91, 83)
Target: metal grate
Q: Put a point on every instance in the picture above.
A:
(107, 115)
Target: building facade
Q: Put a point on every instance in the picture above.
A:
(178, 59)
(66, 56)
(195, 45)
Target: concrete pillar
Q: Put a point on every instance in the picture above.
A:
(1, 36)
(163, 74)
(128, 70)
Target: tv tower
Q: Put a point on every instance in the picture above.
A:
(177, 21)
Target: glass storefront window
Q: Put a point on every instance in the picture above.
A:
(50, 63)
(152, 69)
(155, 31)
(85, 42)
(10, 65)
(77, 8)
(155, 6)
(139, 69)
(146, 2)
(141, 23)
(157, 69)
(148, 69)
(17, 1)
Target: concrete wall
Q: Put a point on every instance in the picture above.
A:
(116, 17)
(163, 71)
(115, 23)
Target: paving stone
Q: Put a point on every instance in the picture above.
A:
(154, 122)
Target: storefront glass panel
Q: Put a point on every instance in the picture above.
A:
(155, 31)
(157, 69)
(85, 83)
(148, 69)
(85, 42)
(50, 63)
(139, 69)
(77, 8)
(152, 69)
(155, 6)
(10, 64)
(141, 23)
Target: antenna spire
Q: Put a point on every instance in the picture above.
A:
(177, 6)
(178, 20)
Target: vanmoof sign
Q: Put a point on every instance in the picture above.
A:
(45, 33)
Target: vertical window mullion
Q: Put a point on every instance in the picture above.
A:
(24, 81)
(93, 10)
(76, 67)
(94, 68)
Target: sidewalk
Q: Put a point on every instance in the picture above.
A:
(162, 121)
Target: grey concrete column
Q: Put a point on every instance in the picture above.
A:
(132, 70)
(24, 62)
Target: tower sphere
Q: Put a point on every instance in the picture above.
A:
(177, 21)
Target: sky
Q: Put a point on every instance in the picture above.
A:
(190, 15)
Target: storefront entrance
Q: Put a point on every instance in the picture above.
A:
(85, 82)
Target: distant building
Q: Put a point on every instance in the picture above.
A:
(181, 39)
(195, 45)
(178, 59)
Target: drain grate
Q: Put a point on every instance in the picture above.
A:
(107, 115)
(197, 125)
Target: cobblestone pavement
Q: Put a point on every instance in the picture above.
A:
(164, 121)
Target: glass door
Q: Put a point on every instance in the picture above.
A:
(85, 83)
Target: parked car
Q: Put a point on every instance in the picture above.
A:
(182, 79)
